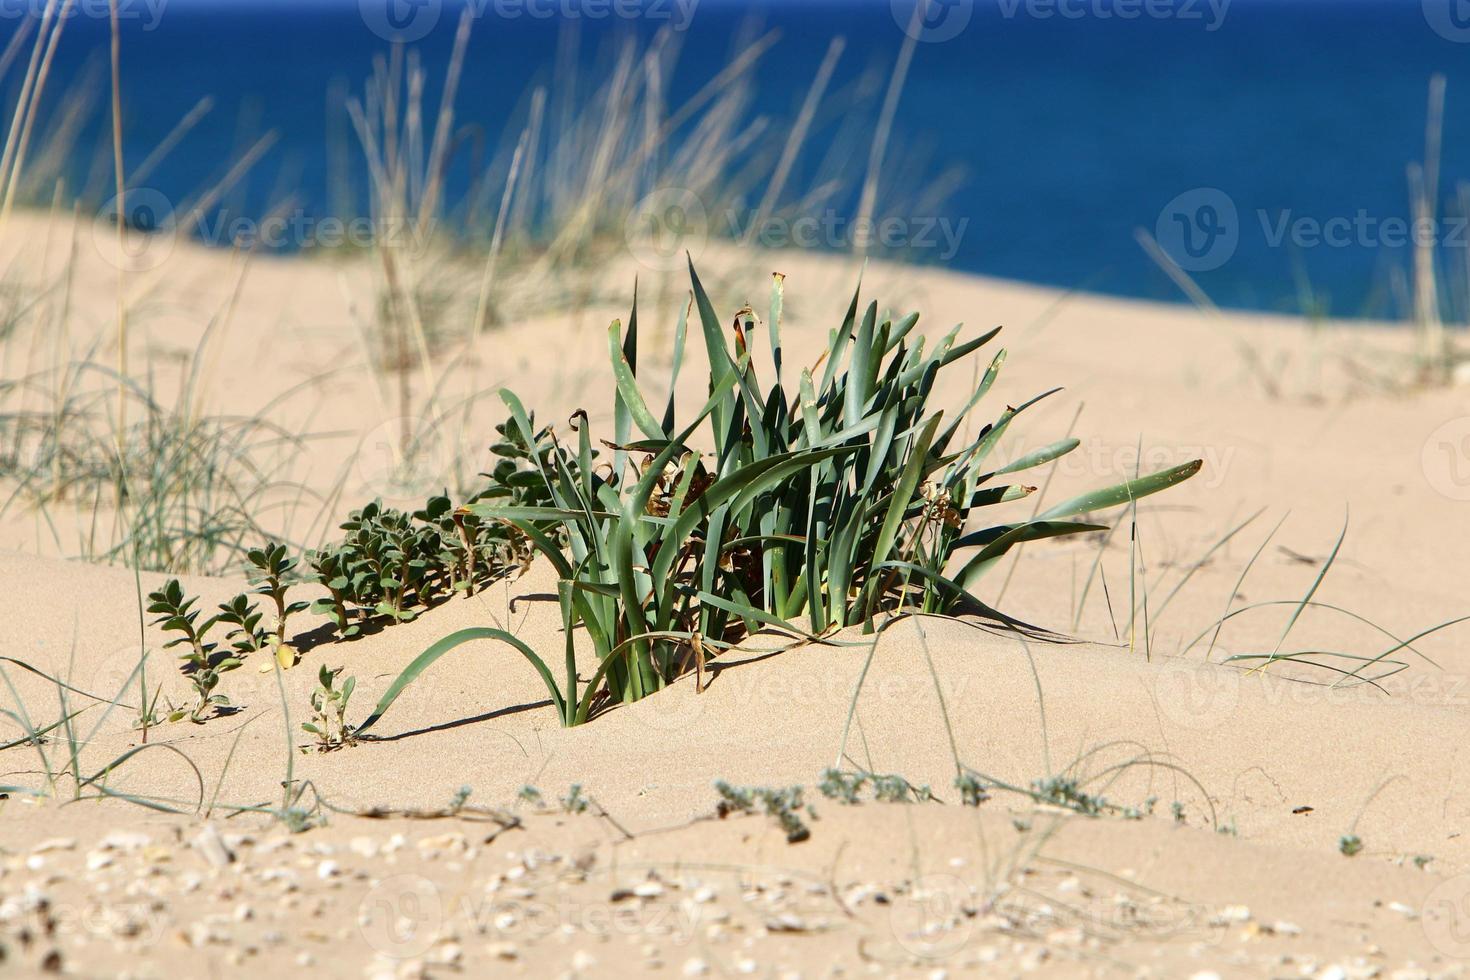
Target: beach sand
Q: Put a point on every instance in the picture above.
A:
(1229, 793)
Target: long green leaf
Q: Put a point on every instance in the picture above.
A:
(1123, 492)
(1316, 584)
(903, 494)
(1040, 457)
(630, 399)
(1031, 531)
(426, 659)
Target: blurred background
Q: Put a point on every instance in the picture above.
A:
(1278, 152)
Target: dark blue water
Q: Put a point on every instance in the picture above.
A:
(1073, 125)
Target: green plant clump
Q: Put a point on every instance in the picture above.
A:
(329, 711)
(390, 565)
(781, 805)
(274, 572)
(203, 663)
(798, 500)
(847, 787)
(1067, 792)
(972, 791)
(387, 567)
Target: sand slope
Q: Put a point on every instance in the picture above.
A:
(1270, 770)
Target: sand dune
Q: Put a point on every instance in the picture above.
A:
(1270, 770)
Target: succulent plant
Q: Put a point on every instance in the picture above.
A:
(333, 570)
(202, 664)
(247, 636)
(274, 574)
(329, 706)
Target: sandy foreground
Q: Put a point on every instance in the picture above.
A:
(1230, 792)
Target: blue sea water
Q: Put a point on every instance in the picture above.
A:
(1263, 142)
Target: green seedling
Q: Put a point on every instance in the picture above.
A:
(1133, 813)
(202, 665)
(246, 637)
(334, 571)
(842, 786)
(274, 574)
(847, 788)
(783, 806)
(148, 716)
(896, 789)
(575, 801)
(972, 792)
(1066, 792)
(329, 711)
(1350, 845)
